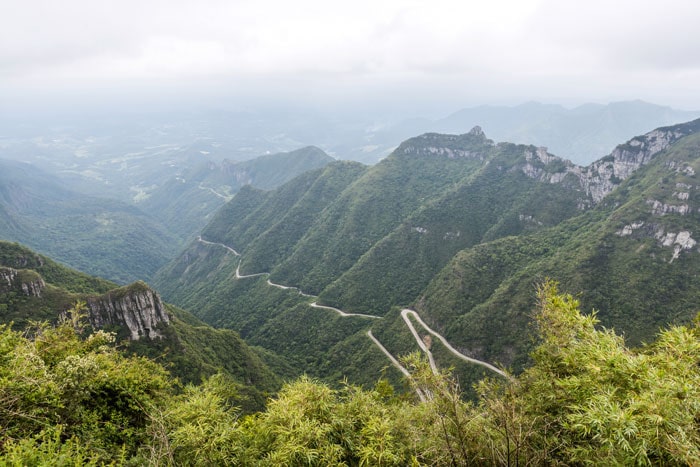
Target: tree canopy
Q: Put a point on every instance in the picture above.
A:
(69, 397)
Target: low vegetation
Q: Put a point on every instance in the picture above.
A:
(68, 398)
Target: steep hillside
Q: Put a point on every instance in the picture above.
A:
(499, 199)
(461, 229)
(634, 253)
(365, 211)
(33, 288)
(186, 202)
(351, 225)
(103, 237)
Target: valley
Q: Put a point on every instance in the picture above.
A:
(405, 313)
(458, 228)
(410, 283)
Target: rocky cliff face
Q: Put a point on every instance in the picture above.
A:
(471, 145)
(603, 176)
(241, 175)
(594, 181)
(136, 307)
(29, 282)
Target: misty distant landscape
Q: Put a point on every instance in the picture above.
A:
(388, 233)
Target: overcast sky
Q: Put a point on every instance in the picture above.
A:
(440, 54)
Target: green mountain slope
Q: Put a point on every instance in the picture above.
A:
(374, 205)
(497, 200)
(462, 230)
(634, 253)
(100, 236)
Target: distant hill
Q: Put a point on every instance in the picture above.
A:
(100, 236)
(186, 202)
(124, 156)
(461, 228)
(124, 241)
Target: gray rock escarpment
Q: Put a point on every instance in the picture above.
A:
(450, 146)
(136, 307)
(603, 176)
(30, 283)
(594, 181)
(679, 242)
(659, 208)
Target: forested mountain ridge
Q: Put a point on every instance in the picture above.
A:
(395, 235)
(634, 253)
(436, 195)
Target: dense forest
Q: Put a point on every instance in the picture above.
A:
(70, 397)
(460, 229)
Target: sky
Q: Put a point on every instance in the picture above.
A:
(428, 56)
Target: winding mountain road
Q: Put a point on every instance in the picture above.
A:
(201, 240)
(421, 342)
(405, 313)
(280, 286)
(246, 276)
(396, 363)
(343, 313)
(214, 192)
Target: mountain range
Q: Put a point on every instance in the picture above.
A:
(123, 240)
(445, 280)
(101, 236)
(460, 228)
(186, 202)
(302, 254)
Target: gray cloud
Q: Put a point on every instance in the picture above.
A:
(473, 52)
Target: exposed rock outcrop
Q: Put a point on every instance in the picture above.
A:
(450, 146)
(594, 181)
(242, 175)
(603, 176)
(136, 307)
(681, 241)
(29, 282)
(659, 208)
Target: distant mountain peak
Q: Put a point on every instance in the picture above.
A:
(471, 145)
